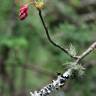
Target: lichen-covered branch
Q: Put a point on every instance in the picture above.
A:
(54, 85)
(60, 81)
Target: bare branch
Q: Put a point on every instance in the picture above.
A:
(85, 53)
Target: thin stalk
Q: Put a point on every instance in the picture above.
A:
(49, 38)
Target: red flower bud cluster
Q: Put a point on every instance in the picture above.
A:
(23, 12)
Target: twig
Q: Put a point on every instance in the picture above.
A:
(60, 81)
(49, 38)
(85, 53)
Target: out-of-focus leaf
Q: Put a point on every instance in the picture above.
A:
(14, 42)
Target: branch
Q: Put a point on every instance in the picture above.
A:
(54, 85)
(85, 53)
(50, 40)
(60, 81)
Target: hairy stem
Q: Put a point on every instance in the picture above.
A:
(50, 40)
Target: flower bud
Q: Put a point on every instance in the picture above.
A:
(39, 5)
(23, 12)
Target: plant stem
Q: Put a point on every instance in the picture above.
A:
(50, 40)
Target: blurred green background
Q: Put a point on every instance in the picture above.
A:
(28, 61)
